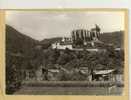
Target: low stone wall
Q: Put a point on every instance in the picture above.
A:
(71, 84)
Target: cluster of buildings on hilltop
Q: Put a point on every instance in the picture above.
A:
(79, 37)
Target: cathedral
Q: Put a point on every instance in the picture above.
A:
(84, 36)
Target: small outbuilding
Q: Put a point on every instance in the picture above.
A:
(103, 75)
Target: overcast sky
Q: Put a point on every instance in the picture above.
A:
(47, 24)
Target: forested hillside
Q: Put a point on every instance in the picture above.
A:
(18, 42)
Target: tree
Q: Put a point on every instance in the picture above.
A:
(54, 55)
(65, 57)
(13, 73)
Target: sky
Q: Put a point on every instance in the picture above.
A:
(47, 24)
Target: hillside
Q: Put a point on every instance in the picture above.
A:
(18, 42)
(115, 38)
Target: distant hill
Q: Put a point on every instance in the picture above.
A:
(47, 42)
(51, 40)
(18, 42)
(115, 38)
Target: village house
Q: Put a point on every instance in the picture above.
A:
(58, 45)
